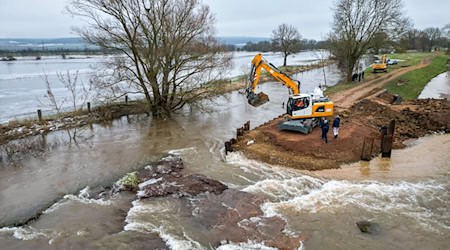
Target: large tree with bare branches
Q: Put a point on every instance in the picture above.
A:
(356, 24)
(433, 34)
(446, 33)
(286, 39)
(168, 49)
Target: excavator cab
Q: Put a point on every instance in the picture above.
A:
(299, 105)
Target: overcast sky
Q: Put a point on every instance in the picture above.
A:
(46, 18)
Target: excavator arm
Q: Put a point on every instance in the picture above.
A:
(259, 63)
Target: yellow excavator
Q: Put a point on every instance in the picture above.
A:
(380, 65)
(303, 111)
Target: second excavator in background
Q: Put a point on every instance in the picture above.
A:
(380, 65)
(303, 111)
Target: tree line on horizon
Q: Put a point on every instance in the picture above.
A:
(428, 39)
(169, 51)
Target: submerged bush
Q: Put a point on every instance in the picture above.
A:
(129, 182)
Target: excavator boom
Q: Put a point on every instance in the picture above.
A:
(259, 63)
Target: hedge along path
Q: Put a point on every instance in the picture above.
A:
(345, 99)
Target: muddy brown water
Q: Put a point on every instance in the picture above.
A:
(324, 207)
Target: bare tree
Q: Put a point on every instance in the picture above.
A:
(433, 34)
(412, 39)
(52, 102)
(355, 25)
(446, 33)
(286, 39)
(169, 48)
(78, 90)
(322, 56)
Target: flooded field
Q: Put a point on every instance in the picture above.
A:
(438, 87)
(44, 200)
(321, 208)
(22, 86)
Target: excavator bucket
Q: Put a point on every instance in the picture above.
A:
(257, 99)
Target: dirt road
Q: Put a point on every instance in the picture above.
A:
(345, 99)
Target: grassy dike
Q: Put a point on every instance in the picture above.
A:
(410, 84)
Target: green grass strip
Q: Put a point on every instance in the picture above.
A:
(411, 84)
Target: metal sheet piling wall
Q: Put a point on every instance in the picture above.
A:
(387, 140)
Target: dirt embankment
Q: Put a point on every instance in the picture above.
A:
(363, 119)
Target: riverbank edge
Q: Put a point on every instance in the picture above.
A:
(19, 129)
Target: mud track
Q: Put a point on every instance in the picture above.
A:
(346, 99)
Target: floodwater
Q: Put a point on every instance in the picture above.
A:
(437, 88)
(412, 211)
(22, 86)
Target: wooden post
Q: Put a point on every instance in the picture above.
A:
(387, 138)
(39, 112)
(366, 152)
(89, 107)
(228, 147)
(126, 99)
(362, 157)
(247, 126)
(239, 132)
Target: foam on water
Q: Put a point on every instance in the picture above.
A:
(413, 200)
(176, 242)
(139, 220)
(278, 190)
(54, 207)
(424, 202)
(245, 246)
(27, 233)
(142, 209)
(260, 169)
(149, 182)
(83, 197)
(182, 150)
